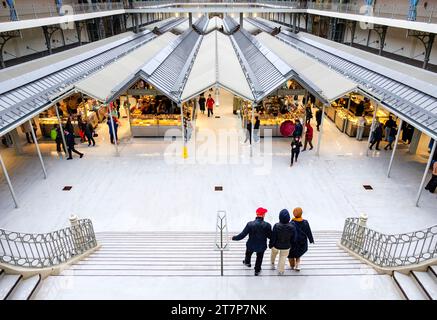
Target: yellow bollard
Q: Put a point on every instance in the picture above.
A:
(185, 153)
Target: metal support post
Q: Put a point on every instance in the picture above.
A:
(38, 149)
(11, 189)
(428, 164)
(395, 147)
(321, 131)
(251, 128)
(241, 19)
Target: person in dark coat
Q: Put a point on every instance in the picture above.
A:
(69, 126)
(319, 114)
(304, 235)
(89, 133)
(432, 184)
(296, 144)
(298, 129)
(259, 231)
(308, 114)
(283, 235)
(202, 102)
(69, 137)
(391, 137)
(58, 140)
(376, 136)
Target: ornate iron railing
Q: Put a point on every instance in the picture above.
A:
(390, 250)
(47, 249)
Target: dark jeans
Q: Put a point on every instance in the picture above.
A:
(112, 136)
(373, 143)
(59, 144)
(210, 111)
(259, 259)
(308, 141)
(294, 155)
(90, 139)
(72, 149)
(29, 137)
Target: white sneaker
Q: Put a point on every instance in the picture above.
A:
(297, 268)
(280, 273)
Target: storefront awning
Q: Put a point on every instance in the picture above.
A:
(105, 84)
(216, 65)
(328, 83)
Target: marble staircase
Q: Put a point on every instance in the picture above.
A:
(193, 255)
(418, 285)
(15, 287)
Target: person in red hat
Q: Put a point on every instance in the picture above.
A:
(259, 231)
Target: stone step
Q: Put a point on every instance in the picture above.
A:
(209, 272)
(433, 269)
(409, 287)
(25, 288)
(428, 282)
(163, 266)
(7, 284)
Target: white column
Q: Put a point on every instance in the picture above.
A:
(61, 129)
(370, 131)
(37, 149)
(113, 130)
(321, 131)
(395, 147)
(422, 184)
(5, 172)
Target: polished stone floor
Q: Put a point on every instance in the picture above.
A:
(150, 187)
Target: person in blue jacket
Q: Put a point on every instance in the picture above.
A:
(283, 237)
(303, 236)
(259, 231)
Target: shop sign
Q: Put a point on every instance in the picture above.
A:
(143, 92)
(290, 92)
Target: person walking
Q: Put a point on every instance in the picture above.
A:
(283, 237)
(202, 102)
(210, 105)
(256, 129)
(319, 118)
(304, 235)
(308, 113)
(432, 184)
(390, 123)
(376, 136)
(89, 133)
(308, 137)
(391, 137)
(360, 127)
(295, 149)
(70, 145)
(259, 231)
(58, 139)
(69, 126)
(25, 127)
(248, 131)
(298, 129)
(111, 133)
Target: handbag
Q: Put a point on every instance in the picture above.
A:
(95, 135)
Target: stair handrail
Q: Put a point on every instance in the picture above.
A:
(390, 251)
(43, 250)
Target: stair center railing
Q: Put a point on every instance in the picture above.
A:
(221, 237)
(389, 251)
(44, 250)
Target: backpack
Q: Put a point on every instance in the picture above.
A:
(53, 134)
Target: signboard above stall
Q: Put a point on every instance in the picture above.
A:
(143, 92)
(288, 92)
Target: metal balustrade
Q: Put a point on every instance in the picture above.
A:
(48, 249)
(393, 10)
(390, 251)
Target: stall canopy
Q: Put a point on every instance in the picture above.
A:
(106, 84)
(328, 83)
(217, 65)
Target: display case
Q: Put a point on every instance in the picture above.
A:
(155, 125)
(330, 112)
(341, 117)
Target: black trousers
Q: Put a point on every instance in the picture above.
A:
(29, 137)
(432, 184)
(375, 142)
(259, 259)
(294, 155)
(59, 144)
(90, 139)
(72, 149)
(210, 111)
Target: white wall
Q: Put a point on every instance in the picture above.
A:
(396, 38)
(34, 38)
